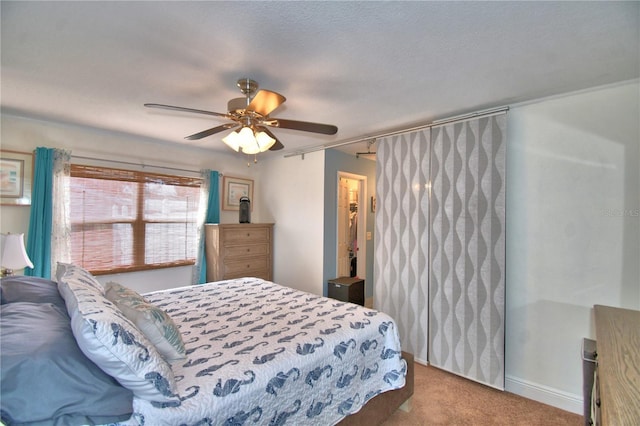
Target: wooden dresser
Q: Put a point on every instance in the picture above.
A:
(239, 250)
(618, 367)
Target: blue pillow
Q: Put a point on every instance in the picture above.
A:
(46, 379)
(18, 288)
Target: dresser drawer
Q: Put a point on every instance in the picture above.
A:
(243, 236)
(246, 267)
(233, 252)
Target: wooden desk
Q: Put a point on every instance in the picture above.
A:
(618, 348)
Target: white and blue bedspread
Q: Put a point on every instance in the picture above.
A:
(260, 353)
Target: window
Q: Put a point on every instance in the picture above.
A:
(124, 220)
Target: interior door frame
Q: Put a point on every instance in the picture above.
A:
(362, 221)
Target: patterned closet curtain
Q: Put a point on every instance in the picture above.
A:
(467, 282)
(440, 244)
(402, 236)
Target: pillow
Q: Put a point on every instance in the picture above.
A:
(154, 323)
(46, 379)
(79, 275)
(111, 341)
(18, 288)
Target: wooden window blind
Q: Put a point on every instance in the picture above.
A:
(123, 220)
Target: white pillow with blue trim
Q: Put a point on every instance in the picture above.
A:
(79, 275)
(113, 342)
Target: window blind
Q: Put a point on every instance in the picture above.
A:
(124, 220)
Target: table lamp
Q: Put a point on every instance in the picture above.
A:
(14, 255)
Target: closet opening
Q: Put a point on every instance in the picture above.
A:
(351, 226)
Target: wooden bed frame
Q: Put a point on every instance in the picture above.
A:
(384, 405)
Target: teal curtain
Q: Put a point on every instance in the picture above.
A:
(41, 218)
(213, 204)
(212, 216)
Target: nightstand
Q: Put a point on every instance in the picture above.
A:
(347, 289)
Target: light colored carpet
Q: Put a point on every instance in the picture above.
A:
(442, 398)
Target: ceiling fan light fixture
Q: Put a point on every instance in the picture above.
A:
(249, 141)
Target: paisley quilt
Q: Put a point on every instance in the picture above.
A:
(262, 354)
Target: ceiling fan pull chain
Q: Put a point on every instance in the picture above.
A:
(255, 160)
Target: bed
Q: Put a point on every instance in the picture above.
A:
(241, 351)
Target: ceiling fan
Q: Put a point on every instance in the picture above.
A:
(250, 120)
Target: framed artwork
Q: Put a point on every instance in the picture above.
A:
(16, 173)
(232, 189)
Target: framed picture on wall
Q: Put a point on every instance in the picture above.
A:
(232, 189)
(16, 173)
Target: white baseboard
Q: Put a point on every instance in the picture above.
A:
(550, 396)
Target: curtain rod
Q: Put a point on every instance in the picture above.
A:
(136, 164)
(436, 123)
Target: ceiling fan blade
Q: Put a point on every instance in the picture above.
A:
(265, 101)
(277, 145)
(325, 129)
(183, 109)
(210, 132)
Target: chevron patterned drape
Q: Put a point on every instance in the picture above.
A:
(440, 244)
(401, 267)
(402, 237)
(466, 287)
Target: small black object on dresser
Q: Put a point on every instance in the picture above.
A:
(347, 289)
(245, 210)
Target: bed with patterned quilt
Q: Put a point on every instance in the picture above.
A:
(236, 352)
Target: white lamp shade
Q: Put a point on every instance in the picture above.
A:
(264, 141)
(232, 140)
(248, 141)
(14, 255)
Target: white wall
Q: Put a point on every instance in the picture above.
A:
(573, 232)
(292, 193)
(287, 191)
(20, 134)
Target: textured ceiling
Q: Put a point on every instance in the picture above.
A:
(366, 67)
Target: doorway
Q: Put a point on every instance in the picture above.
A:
(351, 226)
